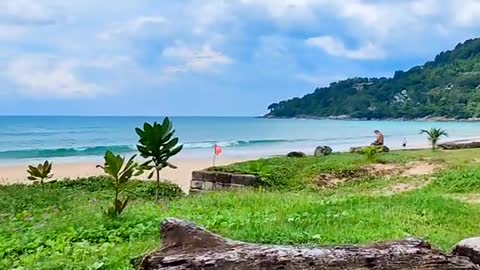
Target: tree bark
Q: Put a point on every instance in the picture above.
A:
(186, 246)
(463, 144)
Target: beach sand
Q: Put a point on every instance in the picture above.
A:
(17, 174)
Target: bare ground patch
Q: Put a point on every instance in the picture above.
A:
(403, 187)
(473, 198)
(413, 169)
(420, 168)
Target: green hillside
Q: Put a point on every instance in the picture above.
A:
(447, 87)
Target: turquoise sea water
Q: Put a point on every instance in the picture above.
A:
(26, 138)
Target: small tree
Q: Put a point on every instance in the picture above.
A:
(434, 135)
(371, 153)
(121, 173)
(157, 144)
(40, 173)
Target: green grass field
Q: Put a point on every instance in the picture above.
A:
(64, 227)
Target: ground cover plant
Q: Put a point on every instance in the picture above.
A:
(63, 226)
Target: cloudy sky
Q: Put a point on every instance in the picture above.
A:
(208, 57)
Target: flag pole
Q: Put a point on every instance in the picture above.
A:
(214, 154)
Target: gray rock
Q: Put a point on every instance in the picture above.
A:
(225, 178)
(211, 176)
(469, 248)
(208, 186)
(194, 184)
(244, 179)
(323, 151)
(296, 154)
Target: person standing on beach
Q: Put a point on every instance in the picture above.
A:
(379, 139)
(404, 142)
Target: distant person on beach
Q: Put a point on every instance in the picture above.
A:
(379, 140)
(404, 142)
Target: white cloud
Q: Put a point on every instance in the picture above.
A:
(396, 26)
(11, 32)
(425, 7)
(204, 59)
(44, 77)
(466, 13)
(335, 47)
(26, 12)
(289, 10)
(132, 27)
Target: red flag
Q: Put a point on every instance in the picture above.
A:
(218, 150)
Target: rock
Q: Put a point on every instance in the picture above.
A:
(194, 184)
(213, 181)
(381, 148)
(296, 154)
(469, 248)
(244, 179)
(186, 246)
(323, 151)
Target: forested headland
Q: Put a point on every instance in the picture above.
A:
(447, 87)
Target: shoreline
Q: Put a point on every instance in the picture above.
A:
(16, 173)
(348, 118)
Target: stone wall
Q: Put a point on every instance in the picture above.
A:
(211, 181)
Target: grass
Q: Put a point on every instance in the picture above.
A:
(63, 227)
(296, 173)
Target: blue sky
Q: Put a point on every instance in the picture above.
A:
(208, 57)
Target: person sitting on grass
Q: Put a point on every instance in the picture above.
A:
(379, 140)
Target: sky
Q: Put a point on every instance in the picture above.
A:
(209, 57)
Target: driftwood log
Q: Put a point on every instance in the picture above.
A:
(186, 246)
(465, 144)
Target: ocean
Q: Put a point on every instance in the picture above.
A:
(31, 138)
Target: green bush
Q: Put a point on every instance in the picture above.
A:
(371, 153)
(120, 172)
(157, 145)
(40, 173)
(61, 194)
(458, 180)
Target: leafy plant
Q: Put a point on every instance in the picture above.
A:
(434, 135)
(40, 173)
(121, 173)
(371, 153)
(157, 144)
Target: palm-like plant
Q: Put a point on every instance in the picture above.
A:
(121, 172)
(157, 144)
(371, 153)
(40, 173)
(434, 135)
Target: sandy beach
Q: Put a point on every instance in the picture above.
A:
(16, 174)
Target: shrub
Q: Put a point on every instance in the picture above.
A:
(121, 173)
(458, 180)
(157, 145)
(40, 173)
(371, 153)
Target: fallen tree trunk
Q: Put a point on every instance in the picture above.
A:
(459, 145)
(186, 246)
